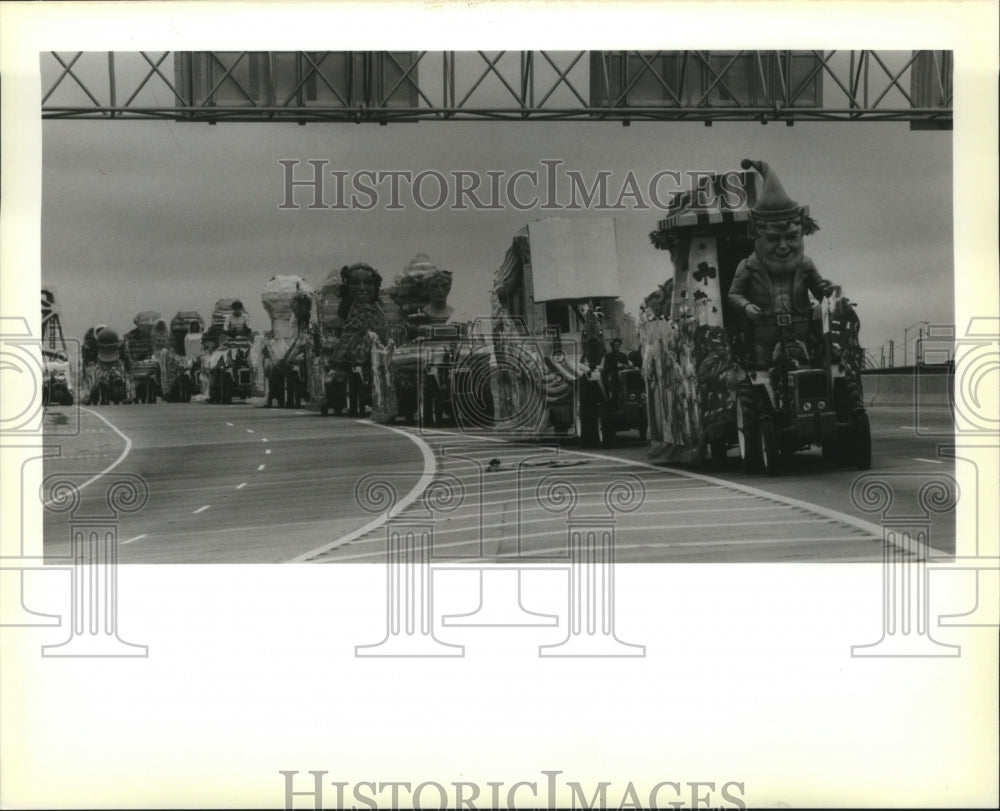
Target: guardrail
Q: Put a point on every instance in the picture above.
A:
(907, 385)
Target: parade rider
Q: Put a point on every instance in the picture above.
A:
(616, 359)
(193, 339)
(613, 362)
(773, 284)
(237, 322)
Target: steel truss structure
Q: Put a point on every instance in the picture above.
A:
(397, 86)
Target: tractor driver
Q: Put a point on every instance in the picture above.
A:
(777, 278)
(616, 359)
(613, 362)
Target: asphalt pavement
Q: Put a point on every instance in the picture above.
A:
(240, 484)
(227, 484)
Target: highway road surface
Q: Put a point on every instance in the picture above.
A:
(241, 484)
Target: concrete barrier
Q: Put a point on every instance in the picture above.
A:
(908, 386)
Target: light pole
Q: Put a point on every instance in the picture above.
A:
(906, 331)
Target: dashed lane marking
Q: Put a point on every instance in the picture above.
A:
(261, 467)
(267, 451)
(250, 431)
(201, 509)
(136, 538)
(241, 485)
(229, 424)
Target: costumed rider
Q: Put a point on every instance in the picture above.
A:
(192, 339)
(771, 287)
(237, 322)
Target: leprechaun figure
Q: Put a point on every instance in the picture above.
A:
(772, 285)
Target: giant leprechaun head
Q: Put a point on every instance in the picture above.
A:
(777, 223)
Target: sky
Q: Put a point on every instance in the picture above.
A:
(140, 215)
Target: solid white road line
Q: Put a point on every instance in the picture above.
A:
(430, 468)
(932, 461)
(113, 465)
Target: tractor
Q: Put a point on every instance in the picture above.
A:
(231, 373)
(806, 399)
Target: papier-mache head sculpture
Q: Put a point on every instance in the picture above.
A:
(777, 222)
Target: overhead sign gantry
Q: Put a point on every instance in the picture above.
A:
(397, 86)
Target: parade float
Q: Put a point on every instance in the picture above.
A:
(326, 329)
(57, 373)
(286, 354)
(230, 365)
(350, 313)
(178, 359)
(734, 350)
(106, 378)
(555, 304)
(140, 356)
(412, 374)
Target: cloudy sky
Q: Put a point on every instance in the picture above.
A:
(140, 215)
